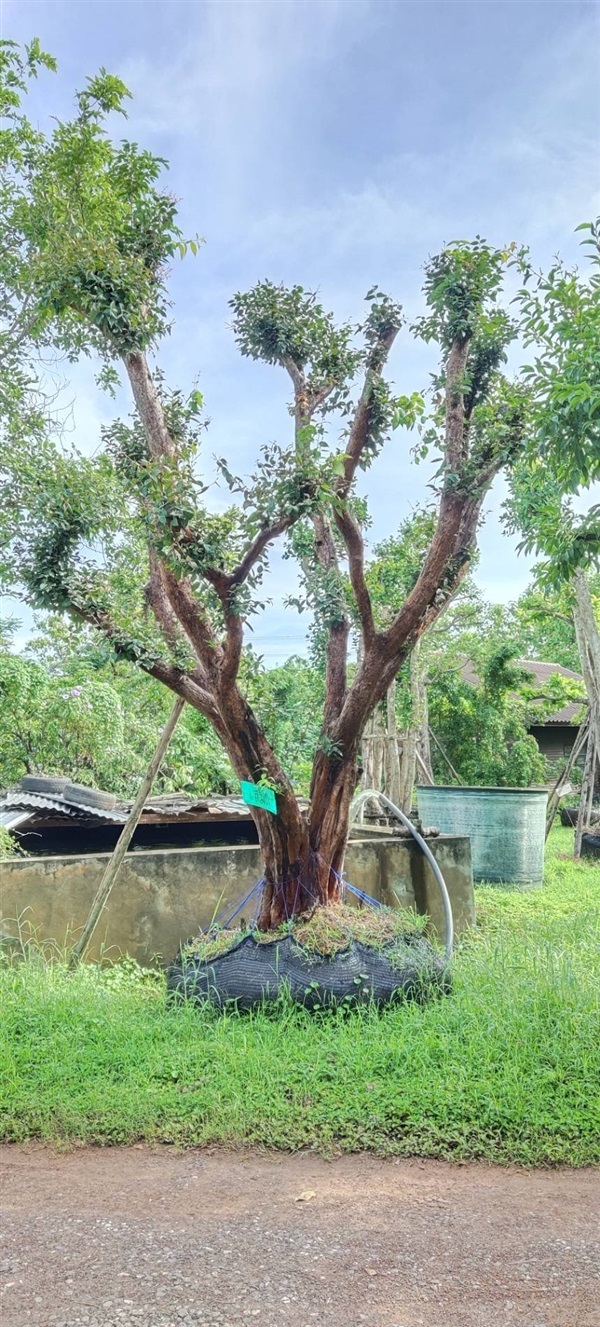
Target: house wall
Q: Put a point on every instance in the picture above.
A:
(555, 740)
(164, 897)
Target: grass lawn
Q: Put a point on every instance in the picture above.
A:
(506, 1068)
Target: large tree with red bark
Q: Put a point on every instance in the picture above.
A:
(128, 542)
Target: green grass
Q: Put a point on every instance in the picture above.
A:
(506, 1068)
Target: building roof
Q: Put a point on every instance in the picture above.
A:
(19, 805)
(541, 672)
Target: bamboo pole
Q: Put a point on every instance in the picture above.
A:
(393, 786)
(114, 864)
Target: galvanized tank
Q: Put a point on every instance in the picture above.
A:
(506, 827)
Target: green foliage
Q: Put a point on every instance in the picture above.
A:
(560, 312)
(397, 562)
(8, 846)
(541, 622)
(560, 321)
(97, 231)
(280, 325)
(484, 728)
(505, 1069)
(73, 708)
(288, 702)
(52, 727)
(460, 284)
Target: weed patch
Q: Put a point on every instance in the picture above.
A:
(506, 1068)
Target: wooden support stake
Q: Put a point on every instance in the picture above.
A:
(444, 757)
(554, 798)
(424, 767)
(587, 788)
(114, 864)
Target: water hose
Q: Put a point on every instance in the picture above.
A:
(357, 809)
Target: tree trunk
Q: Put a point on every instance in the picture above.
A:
(303, 855)
(302, 852)
(588, 641)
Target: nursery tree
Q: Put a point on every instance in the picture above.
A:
(126, 541)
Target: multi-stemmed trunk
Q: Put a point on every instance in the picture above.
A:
(302, 851)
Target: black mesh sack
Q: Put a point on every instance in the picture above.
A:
(252, 972)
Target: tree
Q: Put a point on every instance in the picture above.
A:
(561, 320)
(70, 706)
(540, 621)
(126, 541)
(51, 727)
(483, 727)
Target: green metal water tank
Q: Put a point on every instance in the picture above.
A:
(506, 826)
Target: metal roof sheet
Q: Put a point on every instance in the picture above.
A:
(10, 819)
(71, 810)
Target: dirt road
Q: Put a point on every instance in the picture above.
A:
(160, 1239)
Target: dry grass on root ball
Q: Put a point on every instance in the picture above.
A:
(327, 931)
(339, 955)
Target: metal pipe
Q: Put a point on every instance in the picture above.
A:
(358, 807)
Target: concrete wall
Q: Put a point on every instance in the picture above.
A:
(164, 897)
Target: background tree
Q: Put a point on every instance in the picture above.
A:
(126, 542)
(541, 622)
(70, 706)
(561, 321)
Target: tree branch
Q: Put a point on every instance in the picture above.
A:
(351, 533)
(158, 600)
(149, 405)
(257, 548)
(455, 405)
(183, 684)
(196, 626)
(361, 425)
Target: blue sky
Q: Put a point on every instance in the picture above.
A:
(337, 143)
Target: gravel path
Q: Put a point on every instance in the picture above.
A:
(151, 1237)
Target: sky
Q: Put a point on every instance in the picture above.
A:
(336, 144)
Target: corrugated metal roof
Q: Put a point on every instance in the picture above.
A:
(71, 810)
(167, 806)
(10, 819)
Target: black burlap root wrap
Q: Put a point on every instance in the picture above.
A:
(590, 845)
(252, 973)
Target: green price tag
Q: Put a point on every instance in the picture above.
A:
(253, 794)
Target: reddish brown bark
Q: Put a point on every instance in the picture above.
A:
(303, 853)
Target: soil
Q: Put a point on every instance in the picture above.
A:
(157, 1238)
